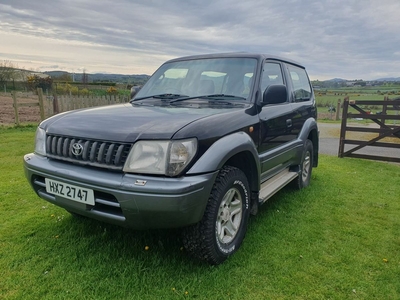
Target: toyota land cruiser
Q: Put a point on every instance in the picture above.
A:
(201, 146)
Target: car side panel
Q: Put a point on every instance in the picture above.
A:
(276, 135)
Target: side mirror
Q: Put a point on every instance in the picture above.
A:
(134, 90)
(275, 94)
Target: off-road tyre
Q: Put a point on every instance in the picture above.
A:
(305, 167)
(222, 229)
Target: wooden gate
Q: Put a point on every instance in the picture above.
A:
(386, 121)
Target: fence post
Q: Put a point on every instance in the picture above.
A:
(55, 104)
(48, 106)
(15, 104)
(343, 127)
(337, 117)
(384, 112)
(41, 106)
(61, 104)
(55, 101)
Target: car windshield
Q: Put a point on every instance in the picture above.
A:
(200, 78)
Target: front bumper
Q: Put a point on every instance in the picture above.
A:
(160, 203)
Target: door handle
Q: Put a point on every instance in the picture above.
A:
(289, 122)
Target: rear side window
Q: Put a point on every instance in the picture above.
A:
(301, 84)
(271, 75)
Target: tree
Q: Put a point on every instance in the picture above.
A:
(8, 72)
(36, 81)
(85, 78)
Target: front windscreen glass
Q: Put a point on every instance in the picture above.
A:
(202, 77)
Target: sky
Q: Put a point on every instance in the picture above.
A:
(350, 39)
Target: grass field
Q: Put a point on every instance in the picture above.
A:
(329, 98)
(324, 100)
(337, 239)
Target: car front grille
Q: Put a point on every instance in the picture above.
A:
(102, 154)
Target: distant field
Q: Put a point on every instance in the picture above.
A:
(329, 97)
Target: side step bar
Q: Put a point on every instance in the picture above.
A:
(274, 184)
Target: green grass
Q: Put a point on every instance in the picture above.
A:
(324, 100)
(337, 239)
(326, 97)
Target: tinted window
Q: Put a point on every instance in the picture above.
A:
(301, 84)
(272, 74)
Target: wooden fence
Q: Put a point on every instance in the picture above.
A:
(17, 104)
(58, 104)
(387, 127)
(51, 105)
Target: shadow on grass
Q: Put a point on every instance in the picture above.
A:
(159, 246)
(111, 243)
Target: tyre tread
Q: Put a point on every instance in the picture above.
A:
(198, 238)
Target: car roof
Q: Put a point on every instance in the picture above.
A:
(257, 56)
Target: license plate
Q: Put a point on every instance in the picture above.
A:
(70, 191)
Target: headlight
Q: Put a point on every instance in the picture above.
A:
(160, 157)
(180, 155)
(40, 142)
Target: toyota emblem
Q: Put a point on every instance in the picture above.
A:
(77, 149)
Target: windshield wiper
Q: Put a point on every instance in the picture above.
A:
(213, 96)
(160, 96)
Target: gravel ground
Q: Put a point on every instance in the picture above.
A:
(329, 142)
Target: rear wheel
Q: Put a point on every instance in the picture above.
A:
(223, 227)
(304, 178)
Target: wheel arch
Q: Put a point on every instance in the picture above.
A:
(237, 150)
(310, 131)
(245, 162)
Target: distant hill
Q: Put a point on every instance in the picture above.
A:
(56, 73)
(336, 80)
(100, 77)
(388, 79)
(140, 79)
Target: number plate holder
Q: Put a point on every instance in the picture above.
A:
(70, 191)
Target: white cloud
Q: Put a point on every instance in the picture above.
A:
(348, 39)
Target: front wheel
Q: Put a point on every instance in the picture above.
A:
(223, 227)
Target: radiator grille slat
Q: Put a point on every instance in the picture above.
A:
(110, 152)
(53, 145)
(73, 141)
(93, 151)
(86, 149)
(118, 155)
(101, 154)
(65, 147)
(59, 146)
